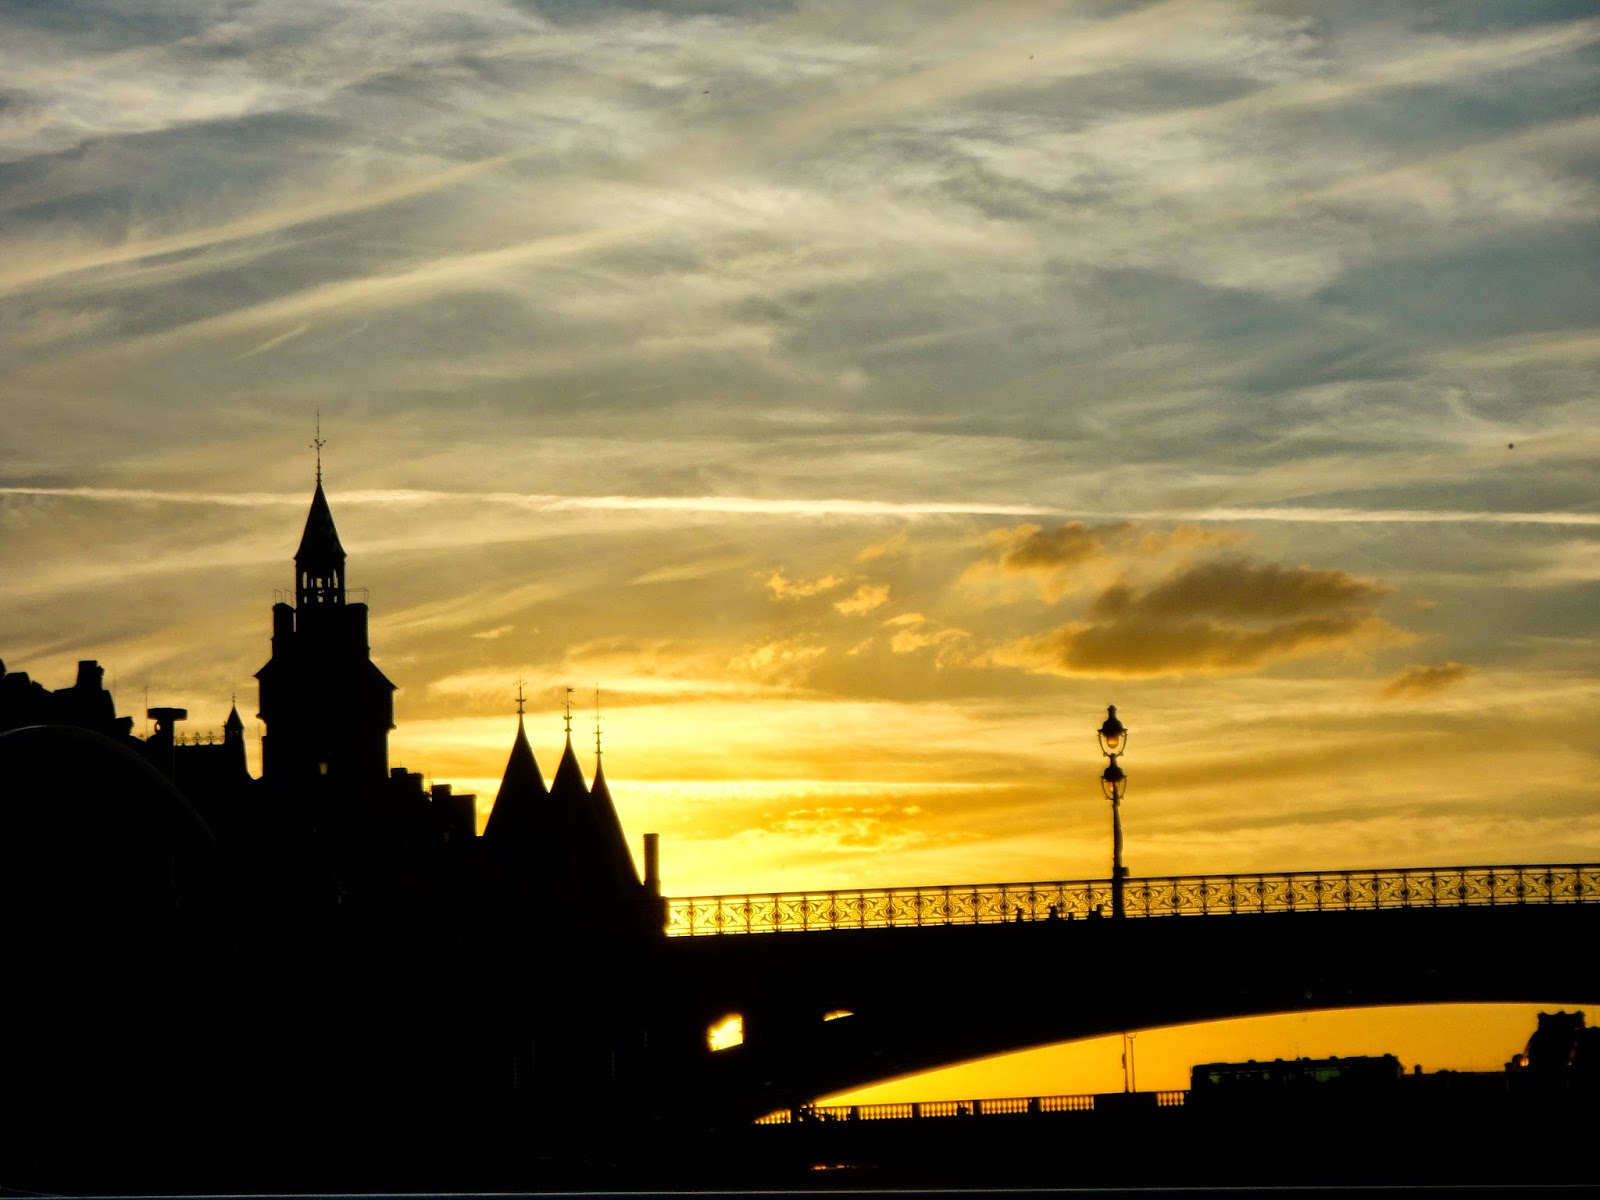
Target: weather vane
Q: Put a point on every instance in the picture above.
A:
(568, 709)
(597, 721)
(317, 443)
(521, 699)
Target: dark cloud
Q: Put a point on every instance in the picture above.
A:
(1032, 548)
(1239, 589)
(1131, 648)
(1211, 618)
(1036, 548)
(1417, 680)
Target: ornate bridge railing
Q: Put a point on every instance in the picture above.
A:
(1184, 895)
(1011, 1106)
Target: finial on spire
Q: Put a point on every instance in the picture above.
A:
(568, 708)
(317, 443)
(521, 699)
(597, 722)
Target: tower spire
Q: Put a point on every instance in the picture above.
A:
(317, 443)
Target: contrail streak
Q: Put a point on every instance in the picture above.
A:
(802, 507)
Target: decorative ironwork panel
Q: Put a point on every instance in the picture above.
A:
(1193, 895)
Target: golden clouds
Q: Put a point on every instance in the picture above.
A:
(1417, 680)
(1162, 601)
(864, 599)
(914, 631)
(784, 588)
(779, 661)
(887, 548)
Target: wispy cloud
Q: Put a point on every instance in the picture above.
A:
(757, 506)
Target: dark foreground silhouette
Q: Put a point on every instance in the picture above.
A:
(322, 980)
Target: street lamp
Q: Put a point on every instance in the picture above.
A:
(1113, 733)
(1114, 783)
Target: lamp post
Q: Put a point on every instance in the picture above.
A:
(1114, 783)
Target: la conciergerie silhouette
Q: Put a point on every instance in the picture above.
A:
(323, 978)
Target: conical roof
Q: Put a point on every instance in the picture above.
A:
(607, 835)
(568, 783)
(320, 541)
(515, 816)
(234, 723)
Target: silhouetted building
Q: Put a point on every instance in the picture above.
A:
(86, 704)
(1563, 1051)
(328, 709)
(563, 840)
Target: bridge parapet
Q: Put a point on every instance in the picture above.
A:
(1184, 895)
(1010, 1106)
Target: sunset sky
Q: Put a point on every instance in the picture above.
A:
(861, 396)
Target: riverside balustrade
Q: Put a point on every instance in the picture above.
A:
(931, 1109)
(1177, 896)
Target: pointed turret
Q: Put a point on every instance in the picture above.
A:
(515, 818)
(609, 840)
(319, 562)
(568, 784)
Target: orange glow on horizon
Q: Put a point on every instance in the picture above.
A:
(1453, 1037)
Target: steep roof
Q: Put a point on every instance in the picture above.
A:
(515, 816)
(608, 839)
(568, 784)
(320, 541)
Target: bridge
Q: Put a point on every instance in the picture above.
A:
(1177, 895)
(430, 1043)
(841, 988)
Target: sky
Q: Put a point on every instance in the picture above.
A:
(860, 398)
